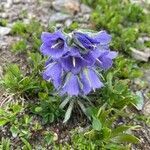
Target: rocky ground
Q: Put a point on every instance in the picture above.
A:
(63, 12)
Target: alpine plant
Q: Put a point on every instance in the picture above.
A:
(75, 60)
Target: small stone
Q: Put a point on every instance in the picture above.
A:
(8, 4)
(140, 2)
(68, 22)
(4, 31)
(13, 15)
(59, 25)
(68, 6)
(82, 18)
(146, 109)
(55, 137)
(85, 9)
(143, 39)
(16, 1)
(140, 55)
(3, 15)
(59, 17)
(31, 16)
(147, 50)
(80, 129)
(26, 21)
(3, 45)
(147, 75)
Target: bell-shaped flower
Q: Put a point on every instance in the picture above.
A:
(89, 58)
(73, 61)
(91, 42)
(90, 80)
(53, 72)
(71, 66)
(53, 44)
(71, 85)
(105, 59)
(102, 37)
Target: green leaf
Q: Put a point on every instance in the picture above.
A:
(69, 111)
(120, 129)
(106, 132)
(114, 146)
(36, 59)
(136, 73)
(27, 144)
(5, 143)
(3, 121)
(16, 108)
(51, 117)
(19, 28)
(83, 108)
(38, 109)
(65, 102)
(96, 124)
(14, 130)
(27, 119)
(120, 87)
(109, 80)
(2, 112)
(139, 100)
(126, 138)
(43, 96)
(19, 46)
(48, 138)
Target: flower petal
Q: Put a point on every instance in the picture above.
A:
(86, 86)
(71, 87)
(56, 53)
(47, 37)
(82, 40)
(90, 80)
(112, 54)
(54, 44)
(93, 78)
(89, 59)
(104, 61)
(45, 77)
(54, 72)
(73, 63)
(103, 38)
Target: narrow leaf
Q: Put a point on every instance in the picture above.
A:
(69, 111)
(139, 100)
(83, 108)
(3, 121)
(120, 129)
(125, 138)
(65, 102)
(27, 144)
(96, 124)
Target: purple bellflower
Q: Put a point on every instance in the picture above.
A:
(90, 80)
(105, 59)
(53, 72)
(54, 44)
(73, 61)
(92, 42)
(71, 86)
(71, 70)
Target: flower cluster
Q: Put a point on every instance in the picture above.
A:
(73, 59)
